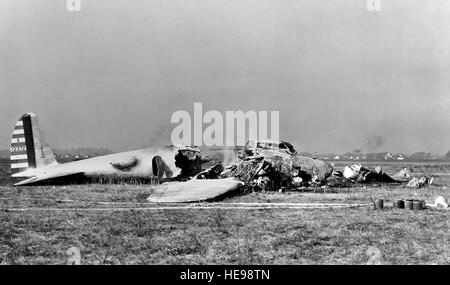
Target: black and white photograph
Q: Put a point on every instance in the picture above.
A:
(242, 133)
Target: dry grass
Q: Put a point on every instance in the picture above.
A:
(213, 236)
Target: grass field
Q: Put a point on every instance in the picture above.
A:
(59, 217)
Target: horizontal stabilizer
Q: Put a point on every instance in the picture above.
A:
(46, 177)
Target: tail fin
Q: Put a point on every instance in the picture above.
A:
(29, 148)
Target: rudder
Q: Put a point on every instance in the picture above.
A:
(29, 148)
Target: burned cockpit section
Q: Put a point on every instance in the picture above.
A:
(279, 172)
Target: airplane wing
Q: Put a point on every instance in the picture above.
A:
(45, 177)
(193, 190)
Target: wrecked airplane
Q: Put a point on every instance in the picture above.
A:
(259, 166)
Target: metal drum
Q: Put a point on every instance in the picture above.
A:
(424, 205)
(379, 204)
(399, 204)
(409, 204)
(418, 205)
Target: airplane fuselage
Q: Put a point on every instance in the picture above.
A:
(140, 165)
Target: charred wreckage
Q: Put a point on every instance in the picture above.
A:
(272, 165)
(269, 166)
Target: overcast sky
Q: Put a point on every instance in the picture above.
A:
(112, 74)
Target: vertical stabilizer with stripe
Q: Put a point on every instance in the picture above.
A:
(29, 148)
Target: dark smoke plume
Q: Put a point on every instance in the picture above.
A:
(161, 136)
(373, 143)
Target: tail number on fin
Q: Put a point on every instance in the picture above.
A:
(18, 148)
